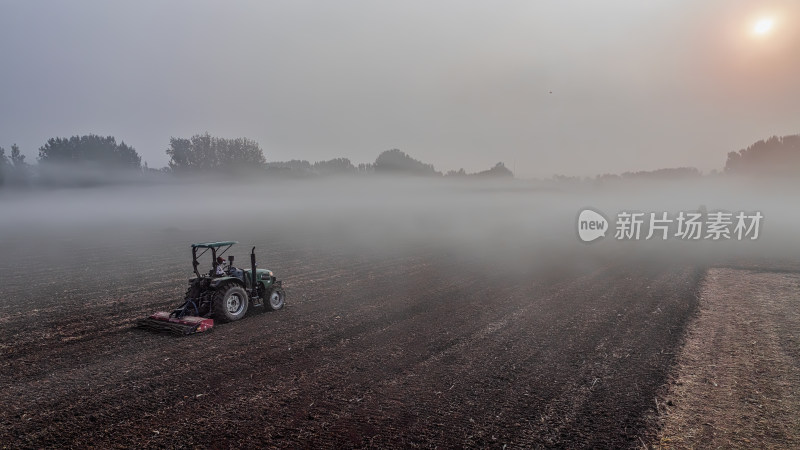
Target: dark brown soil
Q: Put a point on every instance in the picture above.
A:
(410, 350)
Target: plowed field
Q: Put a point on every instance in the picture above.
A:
(402, 349)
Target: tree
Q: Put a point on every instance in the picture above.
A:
(239, 152)
(17, 172)
(456, 173)
(98, 150)
(203, 152)
(3, 165)
(17, 158)
(774, 156)
(499, 170)
(395, 161)
(334, 166)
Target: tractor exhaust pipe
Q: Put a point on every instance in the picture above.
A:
(253, 273)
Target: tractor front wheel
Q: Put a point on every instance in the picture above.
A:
(230, 303)
(276, 299)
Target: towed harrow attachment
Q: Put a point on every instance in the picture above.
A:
(161, 321)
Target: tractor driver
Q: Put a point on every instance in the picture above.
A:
(220, 266)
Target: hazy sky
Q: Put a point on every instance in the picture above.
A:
(635, 85)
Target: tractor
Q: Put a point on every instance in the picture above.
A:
(223, 294)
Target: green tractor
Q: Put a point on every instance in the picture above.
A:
(224, 293)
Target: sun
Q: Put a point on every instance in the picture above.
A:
(763, 26)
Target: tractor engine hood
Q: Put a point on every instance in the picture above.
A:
(261, 274)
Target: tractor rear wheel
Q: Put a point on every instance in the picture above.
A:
(230, 303)
(276, 299)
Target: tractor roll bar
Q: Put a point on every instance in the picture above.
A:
(213, 248)
(194, 262)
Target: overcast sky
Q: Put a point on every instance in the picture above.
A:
(636, 85)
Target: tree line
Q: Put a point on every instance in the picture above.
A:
(203, 153)
(774, 156)
(79, 159)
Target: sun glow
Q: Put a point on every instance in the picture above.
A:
(763, 26)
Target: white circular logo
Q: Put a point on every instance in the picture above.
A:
(591, 225)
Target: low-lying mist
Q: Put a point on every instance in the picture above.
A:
(515, 223)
